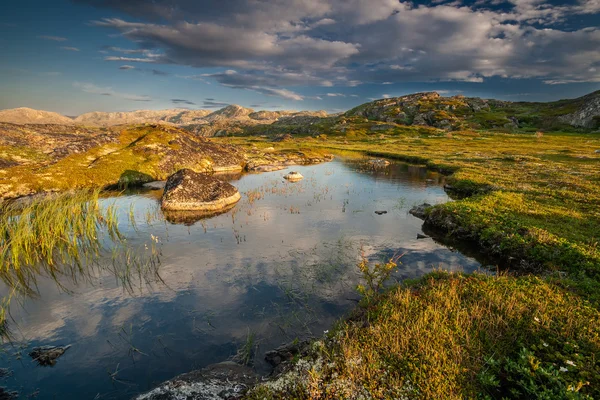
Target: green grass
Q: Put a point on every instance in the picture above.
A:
(452, 336)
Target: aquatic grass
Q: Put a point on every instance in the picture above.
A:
(56, 234)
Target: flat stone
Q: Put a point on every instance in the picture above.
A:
(187, 190)
(294, 176)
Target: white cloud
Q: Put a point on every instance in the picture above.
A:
(69, 48)
(53, 38)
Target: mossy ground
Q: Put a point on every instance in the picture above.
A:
(452, 336)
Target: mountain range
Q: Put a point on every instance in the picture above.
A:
(428, 109)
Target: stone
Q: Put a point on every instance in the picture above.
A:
(421, 236)
(379, 163)
(187, 190)
(226, 380)
(381, 212)
(420, 211)
(294, 176)
(597, 152)
(47, 355)
(268, 168)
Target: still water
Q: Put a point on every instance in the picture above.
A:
(281, 265)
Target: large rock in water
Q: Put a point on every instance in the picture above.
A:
(187, 190)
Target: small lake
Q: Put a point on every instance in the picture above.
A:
(281, 265)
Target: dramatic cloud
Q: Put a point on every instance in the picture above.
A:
(272, 46)
(108, 91)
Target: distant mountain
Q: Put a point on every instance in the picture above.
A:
(26, 115)
(171, 116)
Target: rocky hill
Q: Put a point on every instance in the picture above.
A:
(24, 115)
(460, 112)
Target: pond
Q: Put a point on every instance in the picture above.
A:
(281, 265)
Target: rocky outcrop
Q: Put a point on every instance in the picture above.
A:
(588, 114)
(187, 190)
(224, 381)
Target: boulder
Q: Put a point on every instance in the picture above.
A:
(420, 211)
(221, 381)
(294, 176)
(187, 190)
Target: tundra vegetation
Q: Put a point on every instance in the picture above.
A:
(525, 178)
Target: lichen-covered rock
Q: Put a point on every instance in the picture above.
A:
(224, 381)
(187, 190)
(588, 114)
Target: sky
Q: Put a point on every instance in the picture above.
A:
(76, 56)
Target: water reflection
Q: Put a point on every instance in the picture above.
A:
(281, 265)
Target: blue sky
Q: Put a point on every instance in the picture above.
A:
(118, 55)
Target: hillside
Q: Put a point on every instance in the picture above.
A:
(460, 112)
(24, 115)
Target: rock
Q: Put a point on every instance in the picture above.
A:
(420, 211)
(268, 168)
(5, 372)
(381, 212)
(285, 352)
(378, 163)
(587, 115)
(269, 149)
(131, 178)
(8, 395)
(283, 138)
(47, 355)
(187, 190)
(421, 236)
(226, 380)
(155, 185)
(597, 152)
(294, 176)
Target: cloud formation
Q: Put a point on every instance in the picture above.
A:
(88, 87)
(271, 46)
(53, 38)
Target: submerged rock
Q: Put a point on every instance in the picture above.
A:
(381, 212)
(5, 394)
(47, 355)
(379, 163)
(226, 380)
(294, 176)
(420, 211)
(187, 190)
